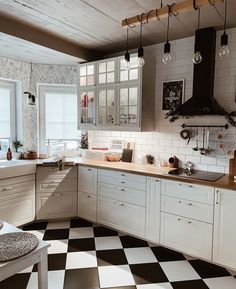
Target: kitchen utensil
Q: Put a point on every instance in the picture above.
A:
(208, 149)
(173, 162)
(203, 150)
(127, 154)
(185, 134)
(196, 148)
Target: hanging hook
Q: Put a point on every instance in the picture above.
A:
(194, 5)
(130, 26)
(149, 12)
(170, 7)
(157, 17)
(211, 3)
(141, 20)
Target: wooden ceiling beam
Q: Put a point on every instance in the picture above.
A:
(21, 30)
(156, 14)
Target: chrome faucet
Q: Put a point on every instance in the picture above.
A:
(188, 168)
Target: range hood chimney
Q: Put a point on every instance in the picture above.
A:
(202, 102)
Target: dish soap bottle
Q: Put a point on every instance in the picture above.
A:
(9, 154)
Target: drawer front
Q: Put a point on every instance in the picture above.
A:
(122, 175)
(88, 180)
(17, 180)
(56, 205)
(189, 209)
(51, 186)
(122, 216)
(13, 191)
(187, 235)
(122, 182)
(122, 194)
(70, 172)
(87, 206)
(187, 191)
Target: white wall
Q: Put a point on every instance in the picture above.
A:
(166, 140)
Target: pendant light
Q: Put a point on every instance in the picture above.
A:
(141, 60)
(224, 50)
(167, 57)
(197, 57)
(127, 54)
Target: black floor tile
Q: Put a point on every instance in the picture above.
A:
(75, 245)
(148, 273)
(164, 255)
(57, 261)
(81, 279)
(207, 270)
(104, 232)
(192, 284)
(35, 226)
(19, 281)
(56, 234)
(131, 242)
(75, 223)
(111, 257)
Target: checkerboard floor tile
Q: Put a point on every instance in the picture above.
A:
(84, 255)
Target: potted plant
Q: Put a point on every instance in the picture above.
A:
(84, 144)
(16, 145)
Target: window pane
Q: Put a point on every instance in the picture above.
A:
(5, 112)
(102, 78)
(133, 96)
(110, 66)
(83, 70)
(90, 69)
(102, 67)
(124, 96)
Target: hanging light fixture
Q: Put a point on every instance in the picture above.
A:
(224, 50)
(197, 57)
(127, 54)
(141, 60)
(167, 57)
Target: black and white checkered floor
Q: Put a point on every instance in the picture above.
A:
(86, 256)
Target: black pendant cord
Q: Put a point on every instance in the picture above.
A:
(127, 40)
(140, 36)
(199, 17)
(225, 15)
(168, 24)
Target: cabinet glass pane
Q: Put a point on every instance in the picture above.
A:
(122, 64)
(102, 115)
(133, 96)
(110, 66)
(124, 75)
(83, 70)
(102, 78)
(133, 114)
(110, 77)
(90, 80)
(91, 107)
(110, 97)
(123, 115)
(133, 74)
(90, 69)
(102, 67)
(124, 96)
(83, 80)
(102, 98)
(110, 115)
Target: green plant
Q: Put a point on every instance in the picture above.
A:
(84, 141)
(17, 144)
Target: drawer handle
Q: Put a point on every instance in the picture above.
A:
(122, 205)
(157, 180)
(122, 182)
(57, 194)
(122, 190)
(217, 197)
(8, 188)
(89, 170)
(88, 196)
(188, 204)
(188, 222)
(123, 175)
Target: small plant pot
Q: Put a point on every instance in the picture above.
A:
(17, 156)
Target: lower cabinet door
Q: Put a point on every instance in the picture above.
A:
(18, 211)
(187, 235)
(122, 216)
(87, 206)
(56, 205)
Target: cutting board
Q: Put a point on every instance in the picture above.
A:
(127, 154)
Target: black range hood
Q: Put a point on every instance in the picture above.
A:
(202, 102)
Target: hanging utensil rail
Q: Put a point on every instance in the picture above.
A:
(226, 126)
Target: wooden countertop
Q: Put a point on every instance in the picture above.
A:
(226, 182)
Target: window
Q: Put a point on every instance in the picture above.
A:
(7, 113)
(58, 117)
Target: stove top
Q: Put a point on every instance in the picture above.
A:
(198, 175)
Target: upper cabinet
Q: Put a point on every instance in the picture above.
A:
(112, 98)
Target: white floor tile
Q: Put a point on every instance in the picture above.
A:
(58, 225)
(179, 271)
(55, 280)
(80, 233)
(140, 255)
(81, 260)
(107, 243)
(57, 246)
(115, 276)
(221, 283)
(39, 234)
(155, 286)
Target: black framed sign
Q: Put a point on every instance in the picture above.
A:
(172, 94)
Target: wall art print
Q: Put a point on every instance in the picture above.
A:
(172, 94)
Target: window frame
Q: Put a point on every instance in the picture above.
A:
(42, 88)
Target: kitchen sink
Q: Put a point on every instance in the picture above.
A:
(197, 175)
(15, 168)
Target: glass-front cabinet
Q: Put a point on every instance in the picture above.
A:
(87, 74)
(131, 75)
(107, 71)
(106, 106)
(87, 106)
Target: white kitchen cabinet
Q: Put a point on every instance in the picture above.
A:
(56, 192)
(56, 205)
(17, 200)
(153, 209)
(122, 216)
(87, 107)
(107, 71)
(189, 236)
(87, 74)
(224, 240)
(87, 180)
(87, 206)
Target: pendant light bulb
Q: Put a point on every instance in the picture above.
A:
(166, 57)
(141, 60)
(127, 61)
(224, 50)
(197, 58)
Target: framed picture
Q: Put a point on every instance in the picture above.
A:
(172, 94)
